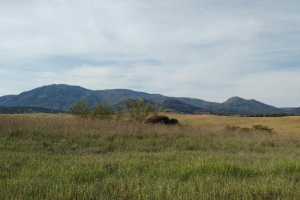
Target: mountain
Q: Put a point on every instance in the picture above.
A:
(237, 105)
(57, 97)
(198, 102)
(291, 111)
(61, 97)
(170, 105)
(174, 105)
(27, 110)
(296, 111)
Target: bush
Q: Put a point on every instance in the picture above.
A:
(160, 119)
(102, 111)
(139, 110)
(173, 121)
(262, 128)
(80, 109)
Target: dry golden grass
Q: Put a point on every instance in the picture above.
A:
(216, 123)
(44, 156)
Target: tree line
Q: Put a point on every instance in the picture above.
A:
(133, 110)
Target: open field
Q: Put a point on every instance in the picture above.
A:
(59, 157)
(217, 123)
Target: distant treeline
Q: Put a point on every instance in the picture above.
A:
(27, 110)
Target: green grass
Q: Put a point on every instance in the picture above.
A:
(58, 157)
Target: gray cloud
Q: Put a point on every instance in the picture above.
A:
(197, 48)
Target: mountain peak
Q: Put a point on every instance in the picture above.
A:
(235, 99)
(62, 86)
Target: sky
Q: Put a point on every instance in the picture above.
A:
(207, 49)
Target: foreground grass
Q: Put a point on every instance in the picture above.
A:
(58, 157)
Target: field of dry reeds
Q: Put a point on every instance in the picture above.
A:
(60, 157)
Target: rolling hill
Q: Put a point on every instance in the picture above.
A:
(291, 111)
(176, 106)
(61, 97)
(242, 106)
(199, 103)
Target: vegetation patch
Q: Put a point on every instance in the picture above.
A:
(160, 119)
(137, 111)
(260, 128)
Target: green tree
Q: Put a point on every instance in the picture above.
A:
(102, 111)
(80, 110)
(139, 110)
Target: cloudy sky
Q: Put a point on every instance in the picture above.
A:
(208, 49)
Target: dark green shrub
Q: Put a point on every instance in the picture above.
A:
(173, 121)
(80, 110)
(160, 119)
(102, 111)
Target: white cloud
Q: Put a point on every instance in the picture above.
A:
(198, 48)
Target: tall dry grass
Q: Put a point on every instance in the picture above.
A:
(60, 157)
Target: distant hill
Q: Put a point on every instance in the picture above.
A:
(27, 110)
(174, 105)
(57, 97)
(170, 105)
(61, 97)
(291, 111)
(237, 105)
(199, 103)
(296, 111)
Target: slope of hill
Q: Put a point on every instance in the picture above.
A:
(296, 111)
(174, 105)
(27, 110)
(237, 105)
(291, 111)
(170, 106)
(199, 103)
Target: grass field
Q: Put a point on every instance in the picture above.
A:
(59, 157)
(217, 123)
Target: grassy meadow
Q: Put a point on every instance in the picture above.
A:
(217, 123)
(58, 157)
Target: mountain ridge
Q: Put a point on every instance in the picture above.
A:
(62, 96)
